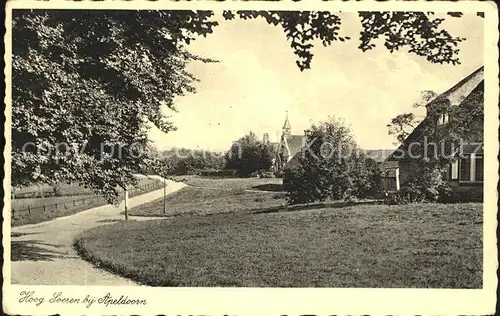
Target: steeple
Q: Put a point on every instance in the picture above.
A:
(287, 128)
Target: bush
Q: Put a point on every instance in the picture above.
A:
(255, 174)
(248, 156)
(300, 188)
(426, 185)
(217, 173)
(444, 194)
(279, 173)
(341, 172)
(267, 174)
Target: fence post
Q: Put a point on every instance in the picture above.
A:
(44, 207)
(29, 210)
(126, 204)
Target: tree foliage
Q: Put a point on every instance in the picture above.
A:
(331, 167)
(403, 124)
(420, 32)
(86, 86)
(248, 155)
(184, 161)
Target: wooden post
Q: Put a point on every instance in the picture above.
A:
(125, 203)
(164, 195)
(397, 179)
(386, 180)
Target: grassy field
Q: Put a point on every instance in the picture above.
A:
(267, 184)
(203, 201)
(419, 246)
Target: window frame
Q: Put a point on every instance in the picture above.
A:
(472, 168)
(443, 118)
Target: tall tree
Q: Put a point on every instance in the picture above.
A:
(403, 124)
(86, 86)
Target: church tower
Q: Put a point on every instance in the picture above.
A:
(287, 128)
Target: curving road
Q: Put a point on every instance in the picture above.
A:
(43, 254)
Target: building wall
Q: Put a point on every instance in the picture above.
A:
(464, 192)
(404, 171)
(388, 183)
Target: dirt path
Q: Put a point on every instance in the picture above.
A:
(43, 254)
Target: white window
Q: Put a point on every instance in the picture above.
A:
(471, 168)
(443, 119)
(454, 170)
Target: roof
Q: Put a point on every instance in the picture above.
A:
(464, 87)
(378, 155)
(295, 143)
(287, 123)
(274, 146)
(293, 162)
(381, 157)
(456, 95)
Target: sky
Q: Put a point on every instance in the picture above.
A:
(257, 80)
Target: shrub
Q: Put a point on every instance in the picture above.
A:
(267, 174)
(217, 173)
(300, 188)
(248, 156)
(279, 173)
(332, 167)
(255, 174)
(426, 184)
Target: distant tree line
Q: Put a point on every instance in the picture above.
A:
(246, 157)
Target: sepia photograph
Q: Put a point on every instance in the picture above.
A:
(209, 148)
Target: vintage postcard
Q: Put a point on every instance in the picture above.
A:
(250, 158)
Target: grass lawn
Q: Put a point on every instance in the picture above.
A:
(420, 246)
(203, 201)
(272, 184)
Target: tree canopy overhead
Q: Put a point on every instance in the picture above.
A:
(86, 84)
(420, 32)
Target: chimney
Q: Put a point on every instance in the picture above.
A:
(265, 139)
